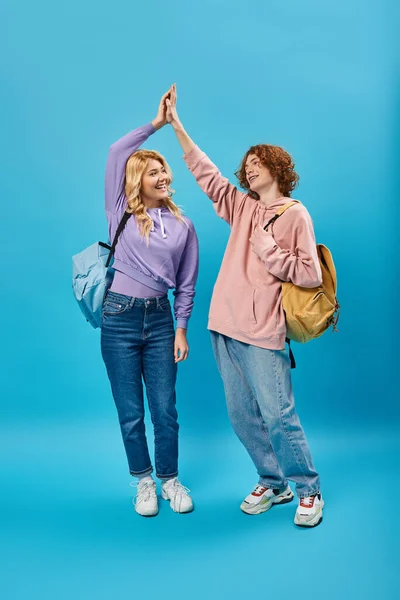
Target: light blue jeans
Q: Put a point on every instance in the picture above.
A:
(258, 391)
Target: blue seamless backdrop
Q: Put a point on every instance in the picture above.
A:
(317, 78)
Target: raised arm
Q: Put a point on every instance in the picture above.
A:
(172, 117)
(119, 153)
(225, 196)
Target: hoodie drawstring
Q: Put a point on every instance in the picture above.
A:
(162, 224)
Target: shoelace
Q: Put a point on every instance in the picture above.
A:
(307, 501)
(144, 491)
(178, 491)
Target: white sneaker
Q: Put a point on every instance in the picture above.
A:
(146, 503)
(262, 498)
(309, 511)
(177, 494)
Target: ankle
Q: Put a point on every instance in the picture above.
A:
(165, 481)
(145, 479)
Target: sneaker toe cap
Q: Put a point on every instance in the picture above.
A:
(185, 505)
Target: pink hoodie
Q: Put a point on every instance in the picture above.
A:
(247, 300)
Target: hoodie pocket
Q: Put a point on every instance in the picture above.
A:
(237, 309)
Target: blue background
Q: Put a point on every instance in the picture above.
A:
(317, 78)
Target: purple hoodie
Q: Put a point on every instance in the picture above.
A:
(171, 260)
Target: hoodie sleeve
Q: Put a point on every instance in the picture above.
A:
(226, 197)
(297, 260)
(118, 154)
(186, 278)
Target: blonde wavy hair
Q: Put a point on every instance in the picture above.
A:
(134, 171)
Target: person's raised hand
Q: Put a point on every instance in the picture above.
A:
(172, 113)
(161, 118)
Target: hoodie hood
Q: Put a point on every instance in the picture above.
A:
(273, 206)
(263, 213)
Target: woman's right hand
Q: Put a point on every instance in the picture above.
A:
(160, 119)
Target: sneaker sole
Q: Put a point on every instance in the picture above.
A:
(317, 520)
(146, 516)
(309, 526)
(257, 510)
(154, 514)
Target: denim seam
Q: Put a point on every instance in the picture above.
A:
(156, 454)
(312, 493)
(268, 440)
(272, 485)
(291, 444)
(135, 473)
(167, 476)
(152, 418)
(144, 325)
(114, 313)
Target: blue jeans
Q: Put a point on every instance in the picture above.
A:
(137, 341)
(260, 402)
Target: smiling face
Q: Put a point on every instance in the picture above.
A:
(155, 181)
(257, 175)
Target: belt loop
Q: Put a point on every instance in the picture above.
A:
(132, 302)
(158, 302)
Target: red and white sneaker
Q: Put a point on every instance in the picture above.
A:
(309, 511)
(262, 498)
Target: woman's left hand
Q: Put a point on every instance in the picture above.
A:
(181, 348)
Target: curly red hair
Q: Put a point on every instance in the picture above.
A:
(279, 163)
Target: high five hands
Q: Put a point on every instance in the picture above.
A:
(167, 112)
(172, 114)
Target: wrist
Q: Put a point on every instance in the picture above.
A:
(181, 331)
(157, 123)
(177, 125)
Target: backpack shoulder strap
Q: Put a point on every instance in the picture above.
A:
(121, 225)
(280, 212)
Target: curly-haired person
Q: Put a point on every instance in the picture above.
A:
(247, 321)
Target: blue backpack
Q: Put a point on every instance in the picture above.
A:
(92, 276)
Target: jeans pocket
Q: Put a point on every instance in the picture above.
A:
(114, 307)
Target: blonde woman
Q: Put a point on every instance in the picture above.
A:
(156, 251)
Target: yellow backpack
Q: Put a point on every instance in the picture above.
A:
(310, 311)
